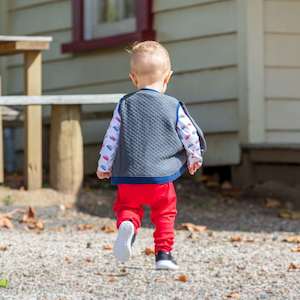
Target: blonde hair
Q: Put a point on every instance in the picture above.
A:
(149, 60)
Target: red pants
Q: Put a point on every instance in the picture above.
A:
(162, 201)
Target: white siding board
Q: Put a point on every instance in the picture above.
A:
(282, 83)
(162, 5)
(283, 114)
(218, 18)
(282, 16)
(205, 86)
(285, 137)
(203, 53)
(282, 50)
(23, 4)
(223, 149)
(49, 17)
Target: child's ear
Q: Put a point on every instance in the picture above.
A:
(133, 79)
(168, 77)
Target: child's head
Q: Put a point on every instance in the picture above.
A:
(150, 65)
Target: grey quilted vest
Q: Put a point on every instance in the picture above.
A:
(150, 150)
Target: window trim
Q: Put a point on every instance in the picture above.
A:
(144, 29)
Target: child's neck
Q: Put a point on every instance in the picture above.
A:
(155, 86)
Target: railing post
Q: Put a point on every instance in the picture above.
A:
(33, 121)
(66, 149)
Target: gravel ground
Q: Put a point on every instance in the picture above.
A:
(62, 262)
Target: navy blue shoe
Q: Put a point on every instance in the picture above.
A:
(165, 261)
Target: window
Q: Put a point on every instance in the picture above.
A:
(109, 23)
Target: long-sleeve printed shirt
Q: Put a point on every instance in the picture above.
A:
(186, 132)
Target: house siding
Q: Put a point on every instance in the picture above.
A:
(282, 71)
(204, 57)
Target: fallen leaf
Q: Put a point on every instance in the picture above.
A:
(192, 227)
(212, 184)
(234, 295)
(107, 247)
(293, 266)
(226, 185)
(297, 249)
(290, 215)
(6, 223)
(109, 228)
(67, 259)
(112, 279)
(235, 239)
(82, 227)
(183, 278)
(3, 248)
(292, 239)
(29, 216)
(249, 240)
(88, 259)
(272, 203)
(149, 251)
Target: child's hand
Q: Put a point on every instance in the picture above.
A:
(194, 167)
(103, 175)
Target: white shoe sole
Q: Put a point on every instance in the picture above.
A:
(165, 265)
(122, 247)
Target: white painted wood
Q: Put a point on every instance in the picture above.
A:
(60, 99)
(282, 16)
(49, 17)
(198, 21)
(251, 71)
(223, 149)
(283, 114)
(205, 86)
(15, 38)
(162, 5)
(283, 137)
(282, 83)
(23, 4)
(282, 50)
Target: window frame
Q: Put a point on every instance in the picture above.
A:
(144, 29)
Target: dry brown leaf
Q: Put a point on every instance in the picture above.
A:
(67, 260)
(39, 225)
(107, 247)
(112, 279)
(292, 239)
(88, 259)
(192, 227)
(290, 215)
(235, 239)
(272, 203)
(234, 295)
(293, 266)
(29, 216)
(82, 227)
(109, 228)
(249, 240)
(149, 251)
(297, 249)
(6, 223)
(183, 278)
(3, 248)
(226, 185)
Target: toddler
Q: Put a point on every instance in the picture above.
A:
(150, 142)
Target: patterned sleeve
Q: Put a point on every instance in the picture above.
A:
(189, 137)
(110, 143)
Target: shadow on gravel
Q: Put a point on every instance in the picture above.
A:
(242, 211)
